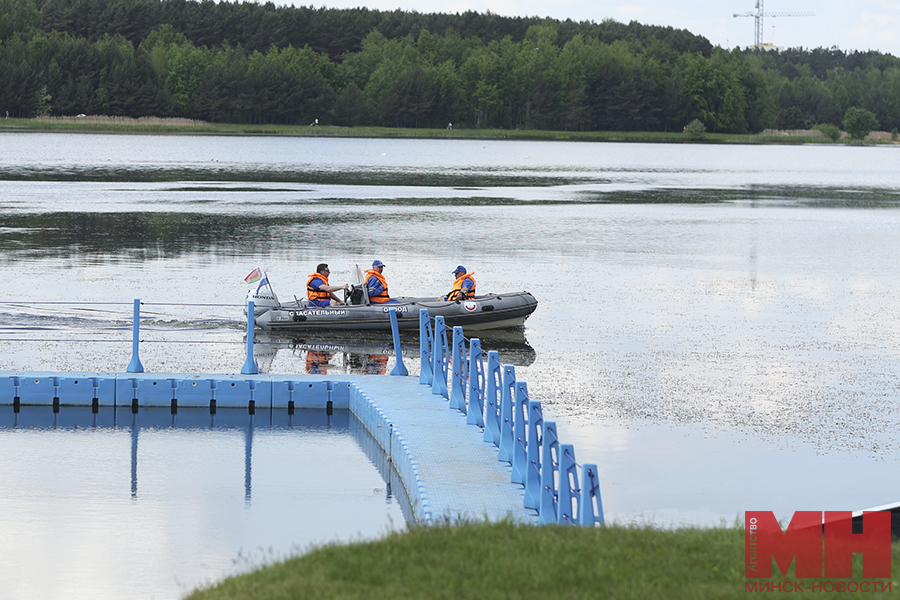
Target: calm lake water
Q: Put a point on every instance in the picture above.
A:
(151, 506)
(717, 325)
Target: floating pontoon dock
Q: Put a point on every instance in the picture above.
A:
(475, 448)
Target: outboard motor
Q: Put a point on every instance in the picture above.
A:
(263, 299)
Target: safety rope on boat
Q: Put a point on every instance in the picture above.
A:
(114, 341)
(80, 303)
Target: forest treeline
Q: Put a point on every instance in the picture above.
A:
(260, 63)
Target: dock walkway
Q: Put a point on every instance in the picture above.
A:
(446, 467)
(448, 470)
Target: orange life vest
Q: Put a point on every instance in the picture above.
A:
(317, 294)
(457, 287)
(317, 362)
(383, 296)
(376, 364)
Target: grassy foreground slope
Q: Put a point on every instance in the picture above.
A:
(505, 561)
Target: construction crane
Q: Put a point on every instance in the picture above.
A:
(758, 17)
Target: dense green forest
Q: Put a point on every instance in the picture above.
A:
(261, 63)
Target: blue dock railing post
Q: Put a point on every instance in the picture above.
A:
(568, 485)
(439, 369)
(458, 378)
(520, 435)
(476, 385)
(426, 347)
(399, 368)
(506, 414)
(135, 365)
(491, 399)
(588, 514)
(549, 469)
(533, 456)
(250, 367)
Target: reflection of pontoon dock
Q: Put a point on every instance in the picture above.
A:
(367, 352)
(489, 311)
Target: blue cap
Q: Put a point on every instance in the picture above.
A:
(377, 263)
(459, 269)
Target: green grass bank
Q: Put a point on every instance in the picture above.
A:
(153, 125)
(505, 561)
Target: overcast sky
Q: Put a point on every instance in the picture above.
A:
(847, 24)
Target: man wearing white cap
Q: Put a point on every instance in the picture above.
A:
(463, 287)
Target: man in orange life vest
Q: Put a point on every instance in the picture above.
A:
(376, 284)
(317, 289)
(463, 287)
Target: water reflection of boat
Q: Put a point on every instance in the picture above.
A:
(367, 352)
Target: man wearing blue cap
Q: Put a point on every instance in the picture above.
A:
(376, 284)
(463, 287)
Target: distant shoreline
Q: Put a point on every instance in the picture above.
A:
(155, 125)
